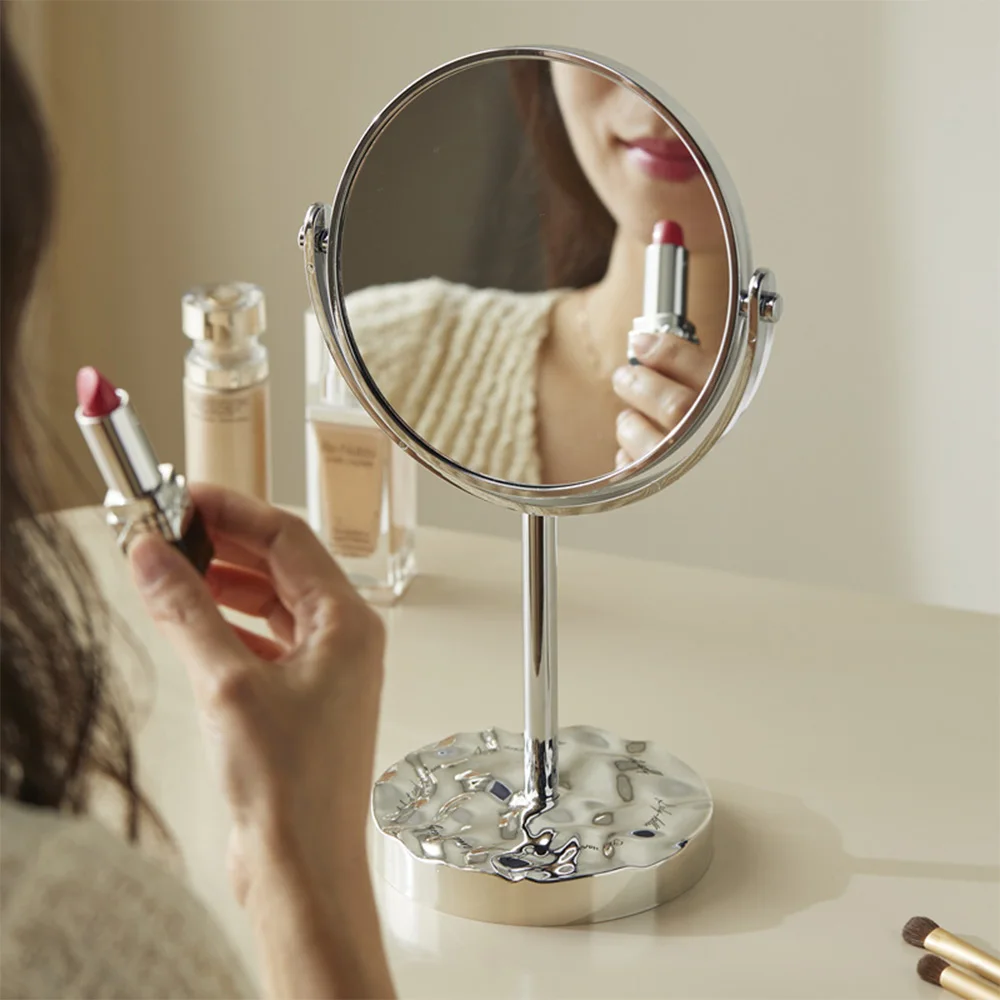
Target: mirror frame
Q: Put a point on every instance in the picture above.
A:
(753, 306)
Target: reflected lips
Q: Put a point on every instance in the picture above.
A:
(663, 159)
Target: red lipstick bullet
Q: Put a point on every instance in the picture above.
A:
(95, 394)
(666, 231)
(142, 495)
(664, 295)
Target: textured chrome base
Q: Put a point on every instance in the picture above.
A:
(631, 828)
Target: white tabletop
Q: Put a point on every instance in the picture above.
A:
(852, 744)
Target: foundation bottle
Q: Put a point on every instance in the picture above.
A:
(361, 488)
(226, 393)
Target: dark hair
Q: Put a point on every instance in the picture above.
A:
(577, 229)
(59, 725)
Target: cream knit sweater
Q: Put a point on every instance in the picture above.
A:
(84, 914)
(459, 365)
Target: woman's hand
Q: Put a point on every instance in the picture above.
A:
(292, 719)
(658, 392)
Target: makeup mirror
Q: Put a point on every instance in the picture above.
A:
(535, 276)
(494, 258)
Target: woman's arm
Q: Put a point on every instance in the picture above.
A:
(319, 937)
(280, 712)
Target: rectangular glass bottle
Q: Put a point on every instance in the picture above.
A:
(361, 488)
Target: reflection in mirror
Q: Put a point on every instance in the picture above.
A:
(536, 271)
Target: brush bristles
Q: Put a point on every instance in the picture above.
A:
(916, 930)
(930, 968)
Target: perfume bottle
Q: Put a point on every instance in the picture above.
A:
(361, 488)
(226, 389)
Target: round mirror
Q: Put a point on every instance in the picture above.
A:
(538, 281)
(535, 277)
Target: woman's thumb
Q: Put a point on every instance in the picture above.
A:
(181, 604)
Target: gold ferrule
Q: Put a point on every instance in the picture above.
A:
(968, 987)
(954, 949)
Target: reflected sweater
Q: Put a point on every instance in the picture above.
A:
(460, 366)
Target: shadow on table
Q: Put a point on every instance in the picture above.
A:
(773, 857)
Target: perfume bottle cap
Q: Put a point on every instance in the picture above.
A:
(336, 391)
(322, 371)
(226, 314)
(315, 350)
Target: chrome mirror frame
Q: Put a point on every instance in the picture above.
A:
(521, 856)
(752, 309)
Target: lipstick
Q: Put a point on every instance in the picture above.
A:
(664, 296)
(143, 495)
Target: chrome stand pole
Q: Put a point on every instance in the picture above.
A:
(541, 712)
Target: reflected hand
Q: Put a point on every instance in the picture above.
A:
(658, 392)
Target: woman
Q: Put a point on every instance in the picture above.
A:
(534, 387)
(85, 914)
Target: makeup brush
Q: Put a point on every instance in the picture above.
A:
(922, 932)
(937, 971)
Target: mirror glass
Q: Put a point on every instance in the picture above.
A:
(535, 271)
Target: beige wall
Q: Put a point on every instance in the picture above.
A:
(863, 139)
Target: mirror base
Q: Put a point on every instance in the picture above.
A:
(631, 829)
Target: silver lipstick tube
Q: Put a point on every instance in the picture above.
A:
(664, 295)
(143, 495)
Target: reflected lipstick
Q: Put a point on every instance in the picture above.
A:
(142, 495)
(664, 294)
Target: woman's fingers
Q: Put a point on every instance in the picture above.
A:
(260, 645)
(228, 551)
(636, 435)
(674, 357)
(236, 862)
(251, 594)
(664, 401)
(181, 604)
(306, 578)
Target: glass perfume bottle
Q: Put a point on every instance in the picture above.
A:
(227, 435)
(361, 488)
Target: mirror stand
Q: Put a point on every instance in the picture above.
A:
(567, 826)
(551, 826)
(541, 704)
